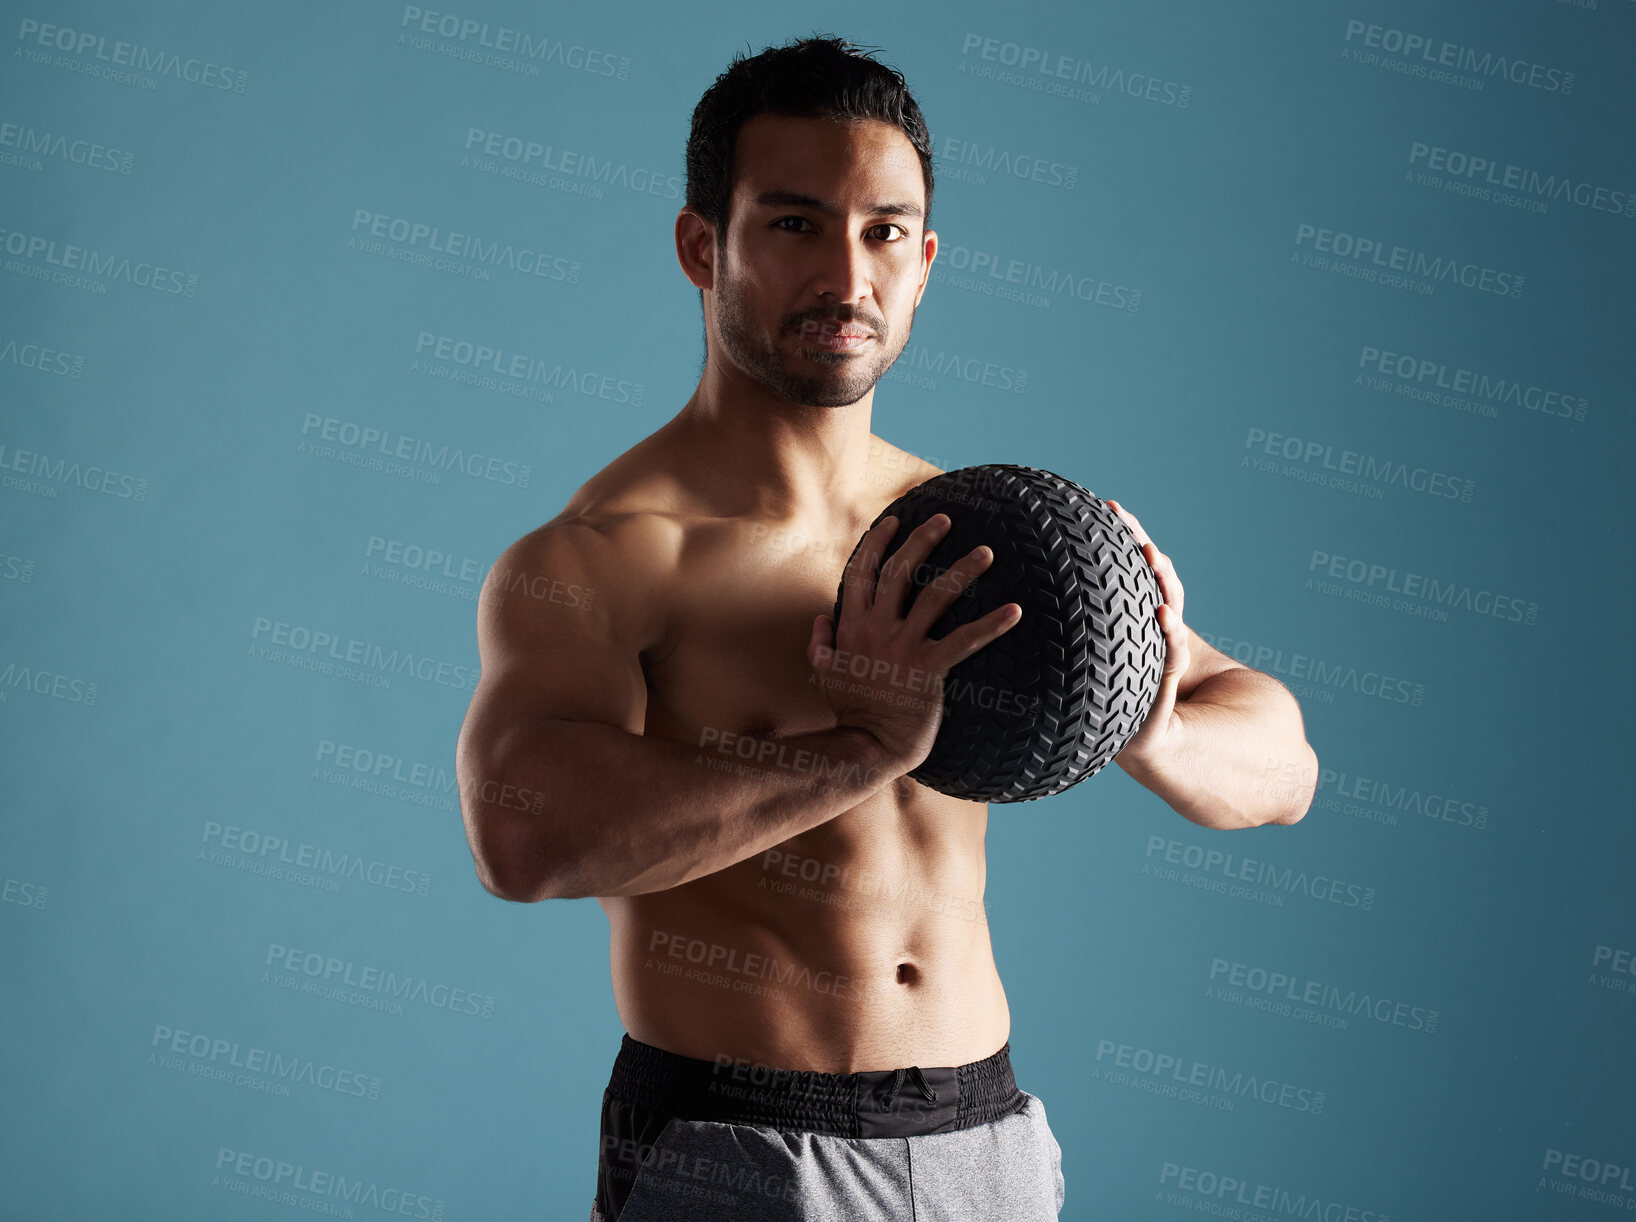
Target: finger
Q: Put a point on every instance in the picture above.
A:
(1130, 520)
(969, 638)
(1137, 530)
(1170, 585)
(1156, 561)
(858, 587)
(819, 642)
(1170, 680)
(939, 594)
(893, 588)
(1177, 649)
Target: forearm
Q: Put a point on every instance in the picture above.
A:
(628, 814)
(1242, 758)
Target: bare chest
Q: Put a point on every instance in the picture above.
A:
(740, 623)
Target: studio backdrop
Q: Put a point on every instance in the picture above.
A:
(308, 311)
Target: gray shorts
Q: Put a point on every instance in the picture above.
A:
(685, 1140)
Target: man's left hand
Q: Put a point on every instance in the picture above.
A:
(1162, 729)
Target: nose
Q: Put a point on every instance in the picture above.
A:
(843, 274)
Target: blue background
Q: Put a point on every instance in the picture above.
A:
(168, 504)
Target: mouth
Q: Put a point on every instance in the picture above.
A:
(834, 336)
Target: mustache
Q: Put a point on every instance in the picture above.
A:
(840, 316)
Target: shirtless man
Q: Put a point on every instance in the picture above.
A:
(800, 956)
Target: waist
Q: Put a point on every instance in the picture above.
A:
(903, 1102)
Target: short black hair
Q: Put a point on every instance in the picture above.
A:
(818, 77)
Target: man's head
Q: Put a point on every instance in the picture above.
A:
(809, 184)
(825, 78)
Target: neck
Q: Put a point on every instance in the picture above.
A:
(758, 455)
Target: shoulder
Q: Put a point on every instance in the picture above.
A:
(897, 470)
(607, 553)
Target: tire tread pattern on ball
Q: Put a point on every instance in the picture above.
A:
(1087, 656)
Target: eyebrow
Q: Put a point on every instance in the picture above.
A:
(796, 199)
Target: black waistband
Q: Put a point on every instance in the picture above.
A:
(902, 1102)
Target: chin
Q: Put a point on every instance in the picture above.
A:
(842, 396)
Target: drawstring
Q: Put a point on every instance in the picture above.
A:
(897, 1085)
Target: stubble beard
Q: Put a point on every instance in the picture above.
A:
(842, 378)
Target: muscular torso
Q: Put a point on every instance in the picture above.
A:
(860, 944)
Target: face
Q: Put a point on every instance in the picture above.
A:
(826, 256)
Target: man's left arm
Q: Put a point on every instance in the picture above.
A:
(1223, 744)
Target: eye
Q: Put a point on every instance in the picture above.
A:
(882, 231)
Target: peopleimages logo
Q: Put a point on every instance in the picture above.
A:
(1379, 801)
(1287, 879)
(482, 254)
(1059, 280)
(288, 965)
(57, 146)
(1486, 175)
(135, 56)
(533, 49)
(270, 1070)
(22, 677)
(1280, 987)
(1057, 74)
(528, 159)
(1377, 256)
(96, 264)
(921, 366)
(1326, 675)
(1223, 1195)
(1599, 1179)
(968, 161)
(276, 1180)
(279, 641)
(250, 844)
(65, 471)
(1440, 382)
(1323, 458)
(41, 359)
(1171, 1075)
(1428, 54)
(378, 449)
(489, 366)
(1422, 590)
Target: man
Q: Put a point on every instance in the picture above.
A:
(815, 1028)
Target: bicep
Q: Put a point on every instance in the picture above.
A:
(555, 642)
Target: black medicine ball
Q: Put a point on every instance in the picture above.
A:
(1058, 695)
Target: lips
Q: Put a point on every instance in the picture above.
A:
(847, 330)
(826, 333)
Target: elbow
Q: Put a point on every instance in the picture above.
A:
(1302, 792)
(502, 886)
(1294, 815)
(514, 863)
(519, 847)
(503, 880)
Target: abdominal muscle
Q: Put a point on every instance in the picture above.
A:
(862, 944)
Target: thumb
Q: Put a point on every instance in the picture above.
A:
(821, 639)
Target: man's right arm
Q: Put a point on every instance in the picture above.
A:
(561, 793)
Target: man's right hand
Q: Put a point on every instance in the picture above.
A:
(879, 668)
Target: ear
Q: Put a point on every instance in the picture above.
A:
(696, 248)
(929, 250)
